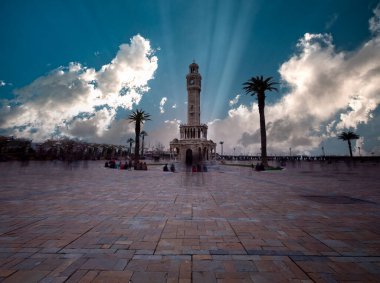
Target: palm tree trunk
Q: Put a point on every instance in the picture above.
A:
(350, 147)
(137, 142)
(263, 133)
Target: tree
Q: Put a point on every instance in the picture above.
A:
(143, 135)
(348, 136)
(130, 141)
(258, 86)
(138, 117)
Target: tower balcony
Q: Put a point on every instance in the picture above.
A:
(193, 132)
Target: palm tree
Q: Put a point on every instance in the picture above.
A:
(258, 86)
(143, 135)
(130, 141)
(138, 117)
(348, 136)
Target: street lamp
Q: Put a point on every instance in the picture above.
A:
(290, 151)
(221, 144)
(130, 141)
(143, 134)
(359, 151)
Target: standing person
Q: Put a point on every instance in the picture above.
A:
(199, 168)
(130, 164)
(172, 168)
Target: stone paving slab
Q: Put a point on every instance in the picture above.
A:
(313, 222)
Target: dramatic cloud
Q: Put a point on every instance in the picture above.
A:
(329, 91)
(162, 103)
(78, 101)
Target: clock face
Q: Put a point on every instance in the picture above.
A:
(191, 81)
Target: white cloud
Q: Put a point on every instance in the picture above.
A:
(374, 22)
(331, 21)
(162, 103)
(359, 147)
(81, 101)
(4, 83)
(329, 91)
(166, 132)
(234, 101)
(174, 106)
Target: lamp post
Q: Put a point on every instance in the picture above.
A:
(323, 151)
(290, 151)
(130, 141)
(359, 151)
(234, 152)
(221, 144)
(143, 134)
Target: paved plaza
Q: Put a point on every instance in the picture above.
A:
(85, 223)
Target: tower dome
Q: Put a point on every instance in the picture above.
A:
(193, 67)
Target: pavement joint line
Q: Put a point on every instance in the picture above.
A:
(24, 226)
(300, 267)
(81, 235)
(162, 231)
(320, 241)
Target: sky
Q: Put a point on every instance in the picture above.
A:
(77, 69)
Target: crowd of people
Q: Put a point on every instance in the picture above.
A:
(128, 165)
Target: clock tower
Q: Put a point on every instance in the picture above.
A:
(193, 147)
(193, 80)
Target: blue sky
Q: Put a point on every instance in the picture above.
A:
(230, 40)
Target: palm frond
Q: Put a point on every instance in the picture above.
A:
(258, 84)
(348, 136)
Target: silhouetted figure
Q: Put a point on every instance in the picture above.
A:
(106, 164)
(166, 169)
(172, 168)
(199, 168)
(144, 166)
(204, 168)
(130, 164)
(259, 167)
(194, 169)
